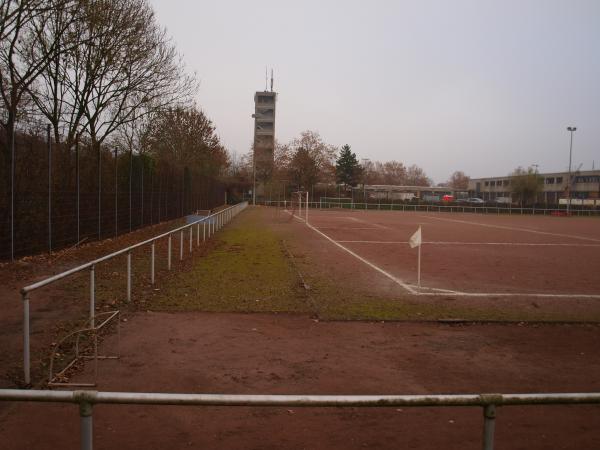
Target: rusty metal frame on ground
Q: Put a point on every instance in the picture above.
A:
(54, 379)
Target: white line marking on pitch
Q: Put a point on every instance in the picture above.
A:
(383, 227)
(346, 228)
(368, 263)
(476, 243)
(503, 227)
(509, 294)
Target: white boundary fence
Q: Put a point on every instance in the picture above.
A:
(439, 208)
(87, 399)
(210, 224)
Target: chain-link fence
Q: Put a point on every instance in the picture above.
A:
(64, 196)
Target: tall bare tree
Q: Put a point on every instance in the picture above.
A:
(22, 23)
(458, 180)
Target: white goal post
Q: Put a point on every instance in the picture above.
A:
(298, 198)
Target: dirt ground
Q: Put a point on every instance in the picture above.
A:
(304, 338)
(282, 354)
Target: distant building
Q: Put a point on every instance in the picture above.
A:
(388, 192)
(585, 187)
(264, 136)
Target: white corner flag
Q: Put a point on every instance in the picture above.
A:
(415, 241)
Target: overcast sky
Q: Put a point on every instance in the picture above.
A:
(480, 86)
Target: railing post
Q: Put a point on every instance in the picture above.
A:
(169, 258)
(204, 231)
(198, 235)
(191, 237)
(86, 425)
(489, 422)
(181, 245)
(128, 276)
(152, 263)
(26, 364)
(92, 295)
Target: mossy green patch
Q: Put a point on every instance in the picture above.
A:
(247, 270)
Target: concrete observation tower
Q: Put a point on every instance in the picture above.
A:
(264, 138)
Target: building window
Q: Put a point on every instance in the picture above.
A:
(559, 180)
(586, 179)
(550, 180)
(506, 182)
(487, 183)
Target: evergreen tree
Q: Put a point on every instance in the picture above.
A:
(347, 168)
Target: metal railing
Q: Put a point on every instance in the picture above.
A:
(509, 210)
(87, 399)
(210, 224)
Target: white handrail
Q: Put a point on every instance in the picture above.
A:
(219, 219)
(87, 399)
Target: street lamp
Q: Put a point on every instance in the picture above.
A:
(571, 130)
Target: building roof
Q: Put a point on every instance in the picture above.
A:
(546, 174)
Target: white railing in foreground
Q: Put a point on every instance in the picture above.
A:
(87, 399)
(210, 224)
(595, 212)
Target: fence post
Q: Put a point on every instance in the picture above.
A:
(26, 367)
(116, 197)
(92, 295)
(198, 234)
(169, 257)
(203, 231)
(128, 276)
(77, 176)
(489, 422)
(99, 193)
(130, 178)
(49, 190)
(181, 245)
(152, 264)
(191, 237)
(86, 425)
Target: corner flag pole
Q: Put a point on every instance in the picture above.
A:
(419, 268)
(415, 241)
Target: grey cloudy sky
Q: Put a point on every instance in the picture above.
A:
(480, 86)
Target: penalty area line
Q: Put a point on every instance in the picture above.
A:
(514, 244)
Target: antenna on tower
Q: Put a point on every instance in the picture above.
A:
(266, 78)
(271, 80)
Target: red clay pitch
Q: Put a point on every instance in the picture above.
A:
(475, 253)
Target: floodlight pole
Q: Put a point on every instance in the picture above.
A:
(571, 130)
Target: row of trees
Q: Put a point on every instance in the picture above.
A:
(308, 160)
(105, 77)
